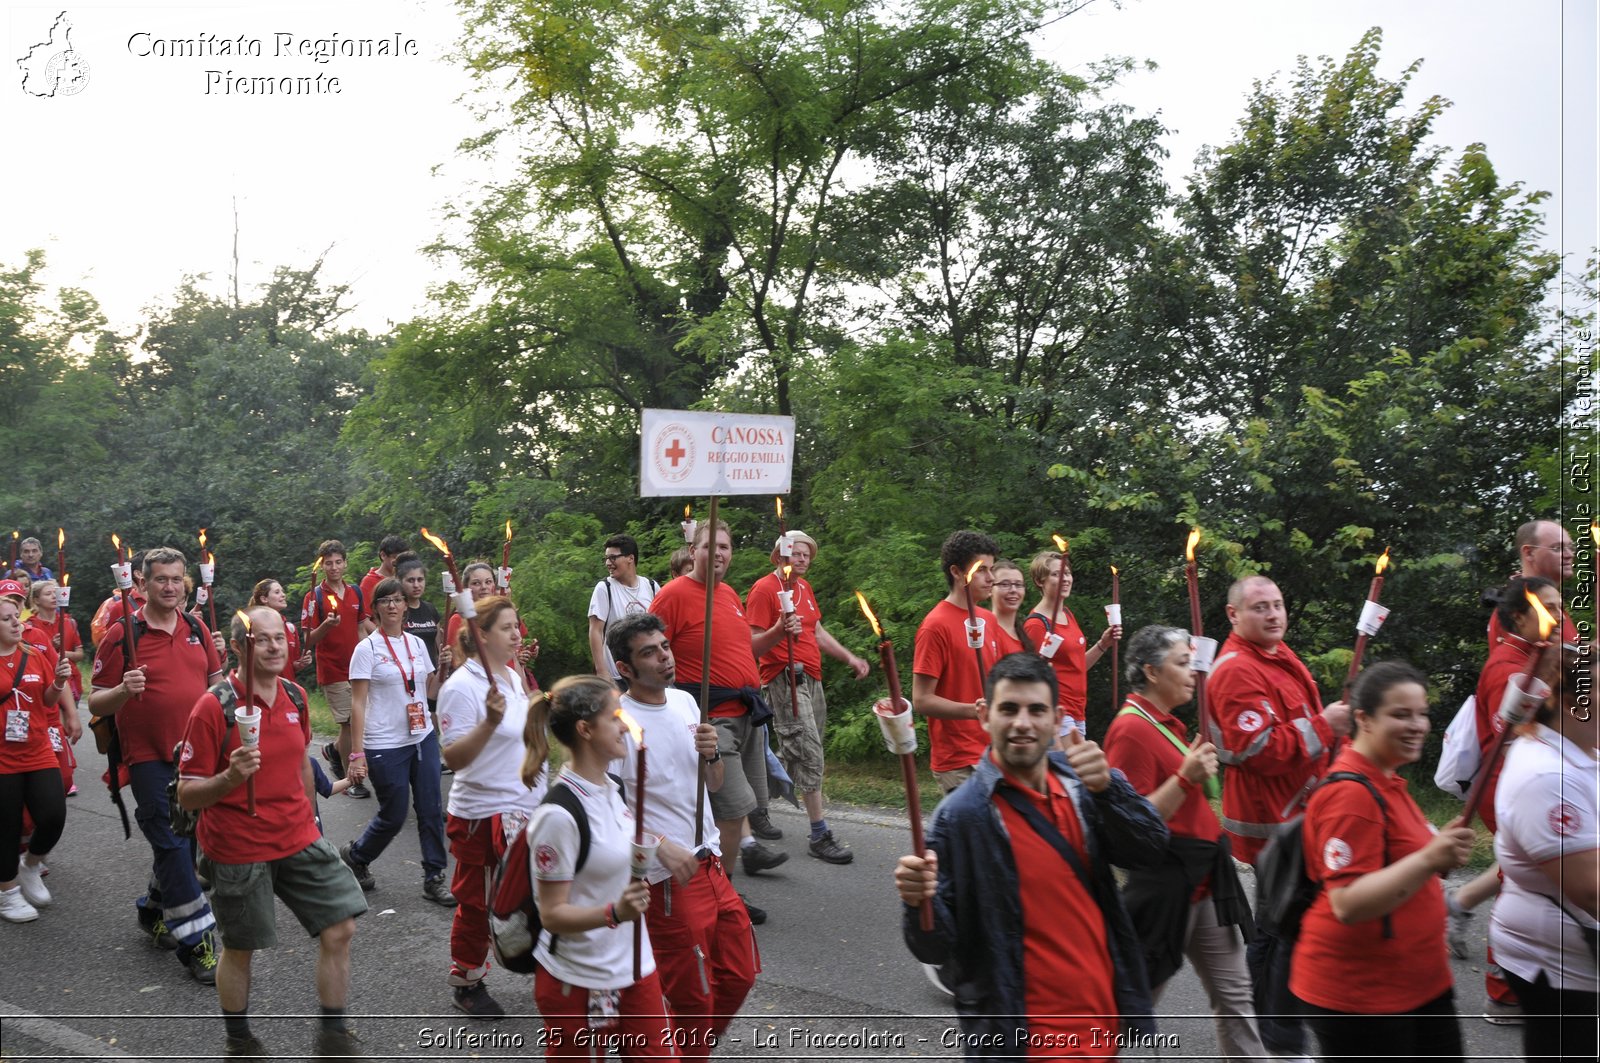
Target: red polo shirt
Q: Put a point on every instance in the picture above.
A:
(1071, 661)
(762, 611)
(333, 652)
(24, 692)
(941, 651)
(1148, 759)
(681, 605)
(176, 667)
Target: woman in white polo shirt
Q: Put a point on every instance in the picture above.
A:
(585, 986)
(1543, 930)
(489, 802)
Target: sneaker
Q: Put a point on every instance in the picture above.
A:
(758, 857)
(151, 923)
(330, 753)
(249, 1046)
(438, 891)
(14, 907)
(825, 848)
(364, 877)
(475, 1000)
(758, 916)
(342, 1043)
(31, 881)
(1459, 926)
(357, 790)
(201, 958)
(1498, 1014)
(761, 826)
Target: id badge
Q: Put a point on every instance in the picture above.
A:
(417, 714)
(55, 739)
(16, 725)
(604, 1007)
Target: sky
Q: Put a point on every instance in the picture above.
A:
(129, 176)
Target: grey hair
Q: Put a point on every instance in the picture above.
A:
(1150, 646)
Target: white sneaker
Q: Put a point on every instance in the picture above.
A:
(31, 879)
(14, 907)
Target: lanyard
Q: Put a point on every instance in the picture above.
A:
(410, 680)
(16, 673)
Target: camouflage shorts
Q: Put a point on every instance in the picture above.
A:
(799, 736)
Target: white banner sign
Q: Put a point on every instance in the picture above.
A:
(690, 454)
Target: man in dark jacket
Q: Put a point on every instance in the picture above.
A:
(1028, 929)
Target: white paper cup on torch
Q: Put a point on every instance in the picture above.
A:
(502, 577)
(689, 527)
(642, 854)
(249, 726)
(785, 545)
(122, 572)
(899, 734)
(975, 633)
(1114, 615)
(208, 573)
(202, 594)
(448, 584)
(1372, 617)
(1202, 653)
(1052, 643)
(1524, 694)
(63, 596)
(786, 602)
(465, 605)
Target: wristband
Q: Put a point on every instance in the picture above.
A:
(1187, 786)
(358, 756)
(59, 684)
(713, 760)
(611, 917)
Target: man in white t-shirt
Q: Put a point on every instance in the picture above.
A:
(704, 946)
(622, 593)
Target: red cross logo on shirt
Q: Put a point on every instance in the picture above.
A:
(1565, 820)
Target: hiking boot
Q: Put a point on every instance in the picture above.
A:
(151, 923)
(330, 753)
(1459, 926)
(343, 1043)
(475, 1000)
(357, 790)
(761, 826)
(758, 857)
(14, 907)
(758, 916)
(825, 848)
(438, 891)
(201, 958)
(249, 1046)
(364, 877)
(31, 881)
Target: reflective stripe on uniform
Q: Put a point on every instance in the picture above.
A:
(1308, 735)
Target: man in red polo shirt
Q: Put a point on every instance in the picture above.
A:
(1028, 926)
(736, 687)
(249, 854)
(945, 683)
(334, 617)
(177, 660)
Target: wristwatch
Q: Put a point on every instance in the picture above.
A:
(714, 760)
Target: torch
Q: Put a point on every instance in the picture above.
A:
(705, 660)
(249, 720)
(1061, 576)
(454, 581)
(786, 604)
(122, 574)
(688, 525)
(641, 853)
(503, 577)
(16, 534)
(208, 575)
(1114, 619)
(1204, 650)
(901, 739)
(1371, 619)
(974, 625)
(63, 598)
(1525, 692)
(61, 552)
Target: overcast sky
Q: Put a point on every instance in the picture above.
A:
(130, 183)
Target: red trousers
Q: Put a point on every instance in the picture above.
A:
(643, 1030)
(476, 845)
(705, 953)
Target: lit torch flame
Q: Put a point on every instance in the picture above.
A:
(779, 500)
(438, 543)
(787, 571)
(508, 531)
(1383, 563)
(1114, 570)
(333, 603)
(871, 617)
(115, 541)
(244, 618)
(65, 579)
(1194, 539)
(316, 566)
(1547, 623)
(204, 554)
(61, 538)
(1594, 532)
(973, 571)
(687, 509)
(632, 725)
(1061, 544)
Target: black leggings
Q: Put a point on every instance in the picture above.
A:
(1557, 1023)
(46, 799)
(1428, 1032)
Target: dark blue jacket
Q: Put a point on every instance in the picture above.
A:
(977, 934)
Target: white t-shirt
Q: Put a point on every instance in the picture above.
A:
(601, 958)
(388, 723)
(492, 783)
(611, 601)
(1545, 805)
(672, 770)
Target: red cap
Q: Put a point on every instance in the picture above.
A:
(10, 588)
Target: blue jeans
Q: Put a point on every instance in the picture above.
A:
(183, 906)
(395, 775)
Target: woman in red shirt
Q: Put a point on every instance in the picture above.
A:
(44, 628)
(1372, 943)
(1060, 639)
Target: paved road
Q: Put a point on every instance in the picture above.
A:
(82, 982)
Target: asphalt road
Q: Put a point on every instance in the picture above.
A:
(82, 982)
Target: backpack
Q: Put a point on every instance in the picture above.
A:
(184, 821)
(514, 924)
(1284, 891)
(1461, 756)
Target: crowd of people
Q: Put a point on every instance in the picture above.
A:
(1044, 951)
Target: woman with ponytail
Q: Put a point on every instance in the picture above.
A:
(481, 730)
(585, 986)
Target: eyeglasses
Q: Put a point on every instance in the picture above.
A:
(612, 559)
(1010, 585)
(393, 599)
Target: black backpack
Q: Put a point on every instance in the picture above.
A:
(1284, 891)
(514, 924)
(184, 821)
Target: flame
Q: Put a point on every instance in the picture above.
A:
(632, 725)
(871, 617)
(1114, 570)
(1383, 563)
(508, 531)
(973, 571)
(1061, 544)
(316, 566)
(687, 509)
(202, 540)
(1547, 623)
(1594, 532)
(788, 570)
(333, 603)
(114, 540)
(245, 617)
(438, 543)
(61, 538)
(17, 534)
(1194, 539)
(779, 500)
(65, 579)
